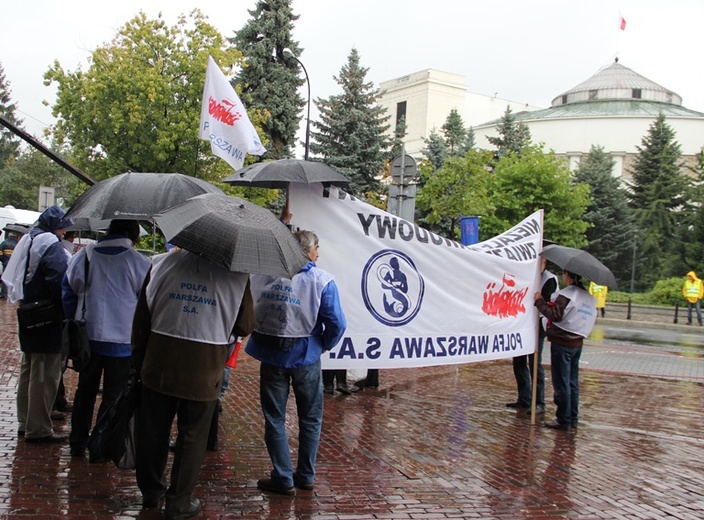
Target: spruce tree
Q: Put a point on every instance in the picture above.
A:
(269, 80)
(351, 134)
(610, 236)
(513, 136)
(692, 232)
(435, 151)
(455, 133)
(9, 142)
(657, 198)
(469, 143)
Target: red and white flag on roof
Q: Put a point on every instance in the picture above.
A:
(621, 23)
(224, 121)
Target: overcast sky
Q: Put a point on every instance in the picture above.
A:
(519, 50)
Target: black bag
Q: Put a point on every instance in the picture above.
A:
(113, 437)
(75, 344)
(34, 316)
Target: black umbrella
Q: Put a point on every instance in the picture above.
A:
(579, 262)
(137, 196)
(279, 174)
(234, 233)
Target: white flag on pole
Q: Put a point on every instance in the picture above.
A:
(224, 121)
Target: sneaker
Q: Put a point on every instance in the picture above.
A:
(300, 484)
(267, 484)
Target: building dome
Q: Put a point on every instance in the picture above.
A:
(617, 82)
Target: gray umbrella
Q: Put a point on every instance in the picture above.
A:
(137, 196)
(579, 262)
(279, 174)
(234, 233)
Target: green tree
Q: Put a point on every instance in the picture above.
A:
(397, 143)
(513, 136)
(9, 142)
(137, 107)
(691, 236)
(269, 80)
(20, 181)
(658, 197)
(435, 151)
(470, 142)
(455, 133)
(459, 189)
(522, 184)
(351, 133)
(610, 235)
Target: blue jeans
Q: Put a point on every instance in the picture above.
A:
(307, 386)
(565, 381)
(699, 311)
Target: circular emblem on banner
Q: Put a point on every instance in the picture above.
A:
(392, 287)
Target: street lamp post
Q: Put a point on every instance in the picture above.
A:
(288, 53)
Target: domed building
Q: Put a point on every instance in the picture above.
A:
(613, 109)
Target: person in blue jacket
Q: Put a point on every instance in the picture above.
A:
(296, 320)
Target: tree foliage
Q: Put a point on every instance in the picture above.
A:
(137, 106)
(532, 180)
(459, 189)
(9, 142)
(435, 151)
(610, 235)
(351, 134)
(513, 136)
(270, 81)
(658, 199)
(455, 133)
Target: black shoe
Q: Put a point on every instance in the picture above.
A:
(344, 389)
(150, 502)
(267, 484)
(68, 407)
(328, 389)
(172, 446)
(300, 484)
(556, 425)
(53, 438)
(517, 405)
(193, 510)
(20, 433)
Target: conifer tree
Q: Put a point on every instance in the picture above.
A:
(657, 198)
(270, 81)
(9, 142)
(513, 136)
(610, 237)
(469, 143)
(454, 132)
(351, 134)
(435, 151)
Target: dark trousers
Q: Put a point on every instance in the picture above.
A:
(113, 371)
(523, 371)
(371, 380)
(329, 377)
(156, 414)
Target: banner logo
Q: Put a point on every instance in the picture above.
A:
(505, 302)
(392, 287)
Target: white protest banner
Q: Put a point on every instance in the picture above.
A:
(224, 121)
(413, 298)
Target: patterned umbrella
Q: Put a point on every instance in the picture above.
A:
(234, 233)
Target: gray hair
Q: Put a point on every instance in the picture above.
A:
(307, 239)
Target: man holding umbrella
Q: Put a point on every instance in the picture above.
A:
(186, 312)
(571, 317)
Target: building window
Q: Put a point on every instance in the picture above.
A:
(400, 113)
(564, 99)
(635, 93)
(593, 94)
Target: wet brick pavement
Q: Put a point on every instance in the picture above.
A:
(428, 444)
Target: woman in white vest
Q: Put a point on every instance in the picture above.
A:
(571, 315)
